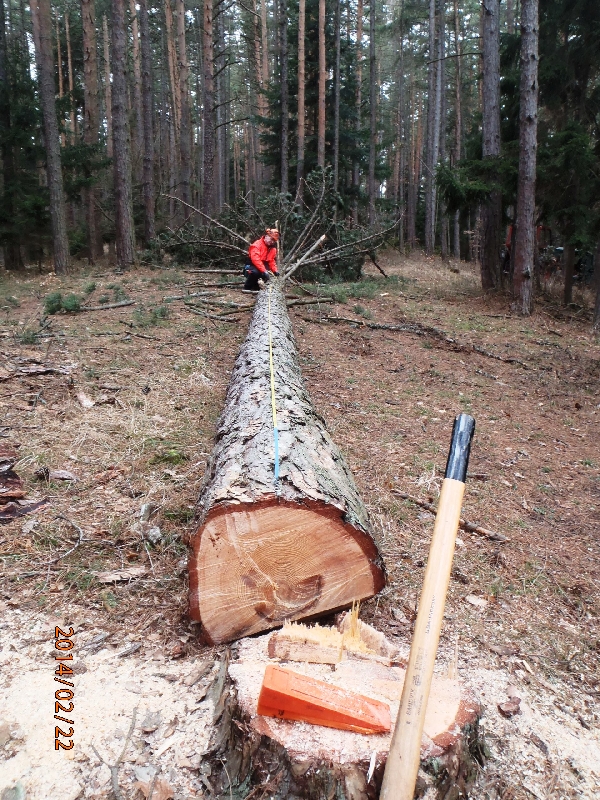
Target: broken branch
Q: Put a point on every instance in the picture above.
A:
(466, 526)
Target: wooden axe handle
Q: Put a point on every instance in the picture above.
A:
(403, 760)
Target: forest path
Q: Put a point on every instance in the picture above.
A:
(524, 613)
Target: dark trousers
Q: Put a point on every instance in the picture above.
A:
(252, 276)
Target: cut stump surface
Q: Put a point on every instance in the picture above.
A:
(311, 761)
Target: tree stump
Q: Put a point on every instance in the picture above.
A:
(292, 760)
(267, 553)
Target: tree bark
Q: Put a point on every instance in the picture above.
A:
(148, 124)
(372, 110)
(434, 97)
(12, 250)
(91, 119)
(72, 117)
(443, 115)
(322, 81)
(125, 236)
(336, 100)
(185, 141)
(301, 97)
(107, 89)
(491, 212)
(172, 60)
(285, 122)
(358, 104)
(265, 553)
(42, 21)
(61, 89)
(458, 121)
(138, 161)
(524, 242)
(249, 749)
(208, 109)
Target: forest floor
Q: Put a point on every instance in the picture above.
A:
(126, 400)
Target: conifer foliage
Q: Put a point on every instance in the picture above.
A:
(133, 113)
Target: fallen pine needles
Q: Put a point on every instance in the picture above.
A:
(466, 526)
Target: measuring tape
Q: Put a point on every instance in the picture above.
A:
(274, 410)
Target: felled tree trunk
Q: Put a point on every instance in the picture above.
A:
(266, 553)
(287, 759)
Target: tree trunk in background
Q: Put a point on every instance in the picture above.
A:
(336, 99)
(72, 117)
(411, 203)
(138, 137)
(148, 124)
(524, 243)
(261, 99)
(596, 285)
(12, 251)
(172, 60)
(61, 89)
(569, 258)
(443, 115)
(491, 212)
(458, 121)
(209, 105)
(185, 133)
(372, 110)
(125, 237)
(91, 119)
(510, 16)
(107, 89)
(356, 164)
(433, 123)
(322, 80)
(285, 121)
(301, 96)
(40, 14)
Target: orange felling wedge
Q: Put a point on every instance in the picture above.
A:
(289, 695)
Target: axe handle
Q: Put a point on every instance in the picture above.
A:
(403, 760)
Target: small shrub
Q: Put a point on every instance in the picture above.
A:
(172, 456)
(27, 337)
(363, 312)
(103, 299)
(89, 288)
(71, 303)
(153, 316)
(53, 303)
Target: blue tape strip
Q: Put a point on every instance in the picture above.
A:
(276, 438)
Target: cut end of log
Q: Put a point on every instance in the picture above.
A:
(255, 566)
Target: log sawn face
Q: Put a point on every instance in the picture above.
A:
(263, 554)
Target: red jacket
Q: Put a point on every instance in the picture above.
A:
(263, 257)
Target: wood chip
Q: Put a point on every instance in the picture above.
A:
(197, 673)
(510, 707)
(84, 400)
(126, 574)
(474, 600)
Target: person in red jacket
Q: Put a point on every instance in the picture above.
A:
(263, 260)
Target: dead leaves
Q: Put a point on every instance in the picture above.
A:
(158, 789)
